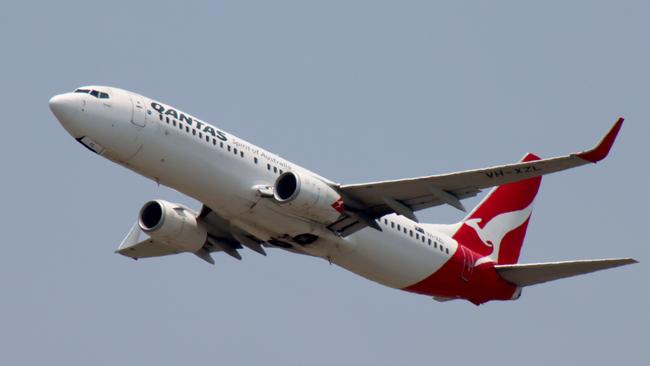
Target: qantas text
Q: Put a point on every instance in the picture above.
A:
(191, 121)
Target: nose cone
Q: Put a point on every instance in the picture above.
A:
(64, 107)
(67, 109)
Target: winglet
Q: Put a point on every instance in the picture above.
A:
(600, 151)
(132, 238)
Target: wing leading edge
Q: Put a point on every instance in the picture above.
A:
(367, 201)
(222, 237)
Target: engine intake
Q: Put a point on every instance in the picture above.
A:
(172, 224)
(286, 187)
(306, 196)
(151, 216)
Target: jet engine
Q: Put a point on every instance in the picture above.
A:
(172, 224)
(307, 196)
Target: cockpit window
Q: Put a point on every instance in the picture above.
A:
(94, 93)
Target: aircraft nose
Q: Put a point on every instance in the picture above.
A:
(64, 107)
(67, 109)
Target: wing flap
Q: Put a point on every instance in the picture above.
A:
(429, 191)
(536, 273)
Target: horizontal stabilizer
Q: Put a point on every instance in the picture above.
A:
(536, 273)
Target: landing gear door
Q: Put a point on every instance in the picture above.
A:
(138, 116)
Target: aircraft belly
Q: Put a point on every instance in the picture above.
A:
(390, 259)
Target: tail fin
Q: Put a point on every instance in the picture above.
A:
(496, 228)
(535, 273)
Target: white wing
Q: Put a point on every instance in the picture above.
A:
(222, 237)
(368, 201)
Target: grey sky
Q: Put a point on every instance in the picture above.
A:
(356, 91)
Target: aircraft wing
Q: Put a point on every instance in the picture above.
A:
(222, 237)
(367, 201)
(145, 249)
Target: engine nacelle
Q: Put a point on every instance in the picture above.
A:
(307, 196)
(173, 224)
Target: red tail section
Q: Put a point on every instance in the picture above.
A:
(495, 229)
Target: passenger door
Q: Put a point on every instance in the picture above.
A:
(138, 116)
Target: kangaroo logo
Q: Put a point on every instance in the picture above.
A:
(493, 232)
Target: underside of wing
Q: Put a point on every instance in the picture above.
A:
(214, 234)
(368, 201)
(146, 249)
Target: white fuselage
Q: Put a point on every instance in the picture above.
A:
(225, 173)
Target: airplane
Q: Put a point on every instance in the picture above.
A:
(254, 199)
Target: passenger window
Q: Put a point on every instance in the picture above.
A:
(194, 132)
(228, 147)
(241, 153)
(268, 166)
(399, 228)
(283, 172)
(214, 141)
(180, 126)
(385, 222)
(423, 239)
(417, 236)
(411, 233)
(235, 151)
(429, 242)
(173, 122)
(435, 244)
(187, 129)
(255, 160)
(275, 169)
(160, 117)
(221, 144)
(404, 230)
(392, 224)
(207, 138)
(200, 135)
(167, 119)
(447, 250)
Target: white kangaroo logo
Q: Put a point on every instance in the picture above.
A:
(496, 229)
